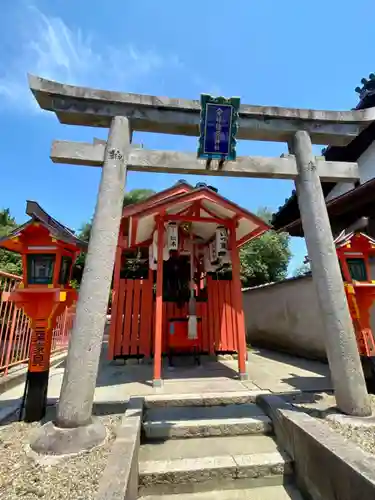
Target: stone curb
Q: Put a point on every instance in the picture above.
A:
(120, 477)
(15, 378)
(326, 464)
(9, 410)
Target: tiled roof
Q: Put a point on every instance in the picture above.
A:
(58, 230)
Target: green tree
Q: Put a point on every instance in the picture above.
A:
(84, 232)
(136, 196)
(302, 270)
(10, 262)
(265, 259)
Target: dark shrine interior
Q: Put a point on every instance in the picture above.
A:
(176, 275)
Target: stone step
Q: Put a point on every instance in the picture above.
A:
(188, 475)
(206, 399)
(173, 449)
(191, 422)
(281, 492)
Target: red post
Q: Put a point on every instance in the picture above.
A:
(10, 345)
(159, 306)
(64, 329)
(238, 306)
(116, 288)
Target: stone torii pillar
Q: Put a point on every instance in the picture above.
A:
(75, 429)
(341, 347)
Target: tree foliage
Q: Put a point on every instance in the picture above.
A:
(10, 262)
(302, 270)
(136, 196)
(265, 259)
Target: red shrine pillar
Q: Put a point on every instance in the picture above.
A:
(159, 306)
(238, 305)
(115, 294)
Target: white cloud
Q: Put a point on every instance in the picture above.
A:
(206, 86)
(47, 47)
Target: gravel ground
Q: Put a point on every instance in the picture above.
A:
(319, 405)
(362, 436)
(74, 478)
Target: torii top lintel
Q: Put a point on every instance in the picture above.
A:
(85, 106)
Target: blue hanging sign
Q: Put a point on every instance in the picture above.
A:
(218, 127)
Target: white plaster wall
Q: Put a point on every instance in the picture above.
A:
(366, 164)
(286, 316)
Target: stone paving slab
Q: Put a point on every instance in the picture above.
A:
(280, 372)
(214, 384)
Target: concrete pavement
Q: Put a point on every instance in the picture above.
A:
(268, 371)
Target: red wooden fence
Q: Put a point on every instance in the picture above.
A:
(133, 319)
(15, 332)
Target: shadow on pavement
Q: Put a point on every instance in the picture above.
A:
(299, 362)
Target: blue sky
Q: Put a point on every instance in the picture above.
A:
(283, 53)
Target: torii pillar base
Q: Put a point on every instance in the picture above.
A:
(53, 440)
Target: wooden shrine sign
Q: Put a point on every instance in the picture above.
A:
(218, 127)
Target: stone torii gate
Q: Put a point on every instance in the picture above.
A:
(122, 114)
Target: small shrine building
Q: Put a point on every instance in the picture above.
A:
(177, 287)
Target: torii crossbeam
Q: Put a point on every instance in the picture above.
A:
(174, 162)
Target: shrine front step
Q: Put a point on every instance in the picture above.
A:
(192, 422)
(203, 450)
(284, 492)
(187, 466)
(205, 399)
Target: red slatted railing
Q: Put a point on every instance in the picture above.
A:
(15, 332)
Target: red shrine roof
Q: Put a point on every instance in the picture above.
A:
(52, 226)
(201, 206)
(343, 239)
